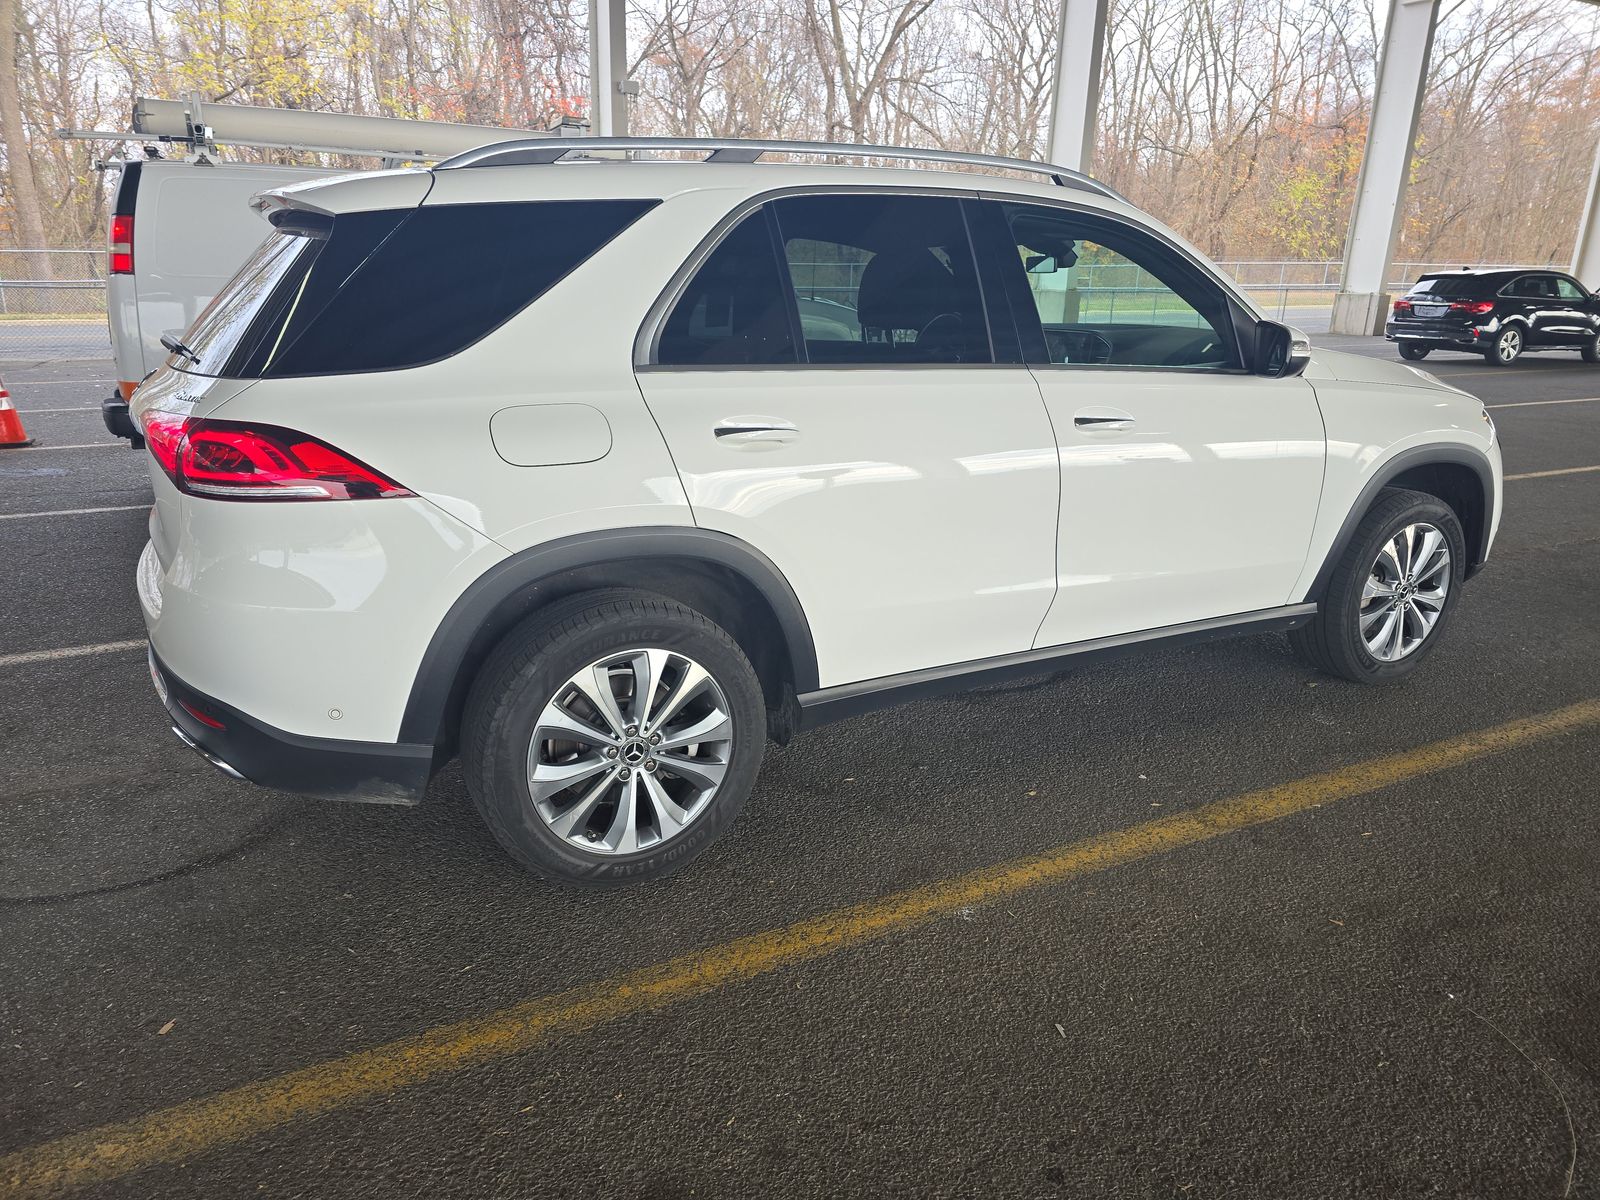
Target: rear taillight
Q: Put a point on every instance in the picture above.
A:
(121, 246)
(1402, 308)
(1476, 307)
(240, 460)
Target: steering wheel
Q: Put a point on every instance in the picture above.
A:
(954, 323)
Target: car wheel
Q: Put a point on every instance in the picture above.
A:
(1391, 592)
(612, 738)
(1506, 347)
(1412, 352)
(1591, 348)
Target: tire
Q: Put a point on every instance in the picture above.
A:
(1591, 348)
(1412, 352)
(1333, 640)
(538, 664)
(1506, 348)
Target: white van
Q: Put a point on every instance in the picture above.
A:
(180, 228)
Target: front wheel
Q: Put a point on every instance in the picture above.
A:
(1412, 352)
(612, 738)
(1391, 592)
(1591, 348)
(1506, 347)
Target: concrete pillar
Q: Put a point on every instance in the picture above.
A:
(1362, 302)
(1080, 45)
(609, 87)
(1586, 256)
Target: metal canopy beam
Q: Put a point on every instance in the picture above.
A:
(1080, 48)
(1362, 303)
(1586, 255)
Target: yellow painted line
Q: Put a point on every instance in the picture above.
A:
(198, 1126)
(1548, 474)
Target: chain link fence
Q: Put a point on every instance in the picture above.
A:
(53, 305)
(53, 302)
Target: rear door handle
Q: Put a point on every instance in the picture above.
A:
(1097, 420)
(745, 431)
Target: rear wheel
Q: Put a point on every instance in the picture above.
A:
(1391, 592)
(1412, 352)
(612, 738)
(1506, 347)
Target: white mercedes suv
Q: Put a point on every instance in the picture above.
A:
(600, 470)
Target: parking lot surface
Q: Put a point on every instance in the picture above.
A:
(1201, 923)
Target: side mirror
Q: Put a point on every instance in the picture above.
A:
(1281, 351)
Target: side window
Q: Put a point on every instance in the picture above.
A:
(1108, 295)
(883, 279)
(733, 311)
(1568, 290)
(1541, 286)
(411, 291)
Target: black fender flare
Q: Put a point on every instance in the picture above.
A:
(1384, 476)
(439, 671)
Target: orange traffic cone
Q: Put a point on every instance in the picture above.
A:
(11, 433)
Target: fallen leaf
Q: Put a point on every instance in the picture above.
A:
(1060, 1030)
(1337, 922)
(166, 1029)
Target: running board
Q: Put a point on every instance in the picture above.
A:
(853, 699)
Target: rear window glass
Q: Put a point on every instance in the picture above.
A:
(1454, 286)
(380, 291)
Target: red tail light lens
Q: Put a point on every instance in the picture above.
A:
(122, 245)
(238, 460)
(1477, 308)
(1402, 308)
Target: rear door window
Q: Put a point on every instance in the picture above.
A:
(734, 311)
(883, 279)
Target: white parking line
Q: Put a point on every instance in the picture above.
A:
(70, 512)
(1548, 474)
(88, 408)
(43, 382)
(80, 446)
(1531, 403)
(33, 656)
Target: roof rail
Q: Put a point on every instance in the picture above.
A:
(542, 151)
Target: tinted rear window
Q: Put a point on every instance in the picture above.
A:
(1456, 286)
(385, 290)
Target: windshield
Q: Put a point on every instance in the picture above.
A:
(1453, 287)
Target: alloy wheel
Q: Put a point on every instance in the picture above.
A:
(1405, 592)
(1509, 344)
(630, 751)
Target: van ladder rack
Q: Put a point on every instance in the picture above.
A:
(543, 151)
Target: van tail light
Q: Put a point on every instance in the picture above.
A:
(1477, 308)
(121, 246)
(241, 460)
(1402, 308)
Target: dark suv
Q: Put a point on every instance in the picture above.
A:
(1498, 314)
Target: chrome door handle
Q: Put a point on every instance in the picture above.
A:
(1105, 419)
(746, 431)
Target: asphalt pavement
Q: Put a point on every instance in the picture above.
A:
(1272, 934)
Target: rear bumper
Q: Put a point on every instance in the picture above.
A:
(1440, 333)
(248, 749)
(118, 422)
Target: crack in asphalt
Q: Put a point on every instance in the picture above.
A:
(226, 854)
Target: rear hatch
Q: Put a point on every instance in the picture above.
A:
(1448, 305)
